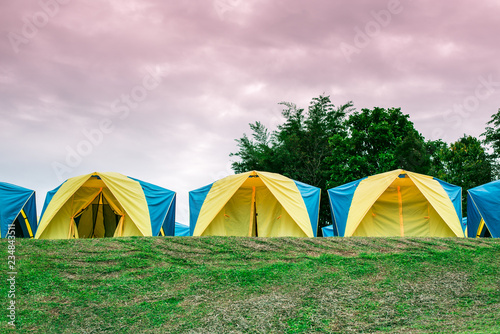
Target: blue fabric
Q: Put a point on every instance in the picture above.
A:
(13, 199)
(30, 211)
(473, 217)
(484, 201)
(328, 231)
(170, 218)
(161, 205)
(340, 203)
(455, 194)
(311, 196)
(196, 199)
(48, 198)
(464, 224)
(181, 230)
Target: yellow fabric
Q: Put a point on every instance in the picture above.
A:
(234, 217)
(114, 205)
(220, 193)
(119, 228)
(59, 230)
(368, 191)
(124, 196)
(131, 197)
(253, 219)
(73, 231)
(439, 200)
(273, 219)
(400, 204)
(288, 195)
(416, 205)
(480, 228)
(229, 207)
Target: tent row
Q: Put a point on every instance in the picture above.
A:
(259, 204)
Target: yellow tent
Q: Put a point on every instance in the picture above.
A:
(106, 205)
(397, 203)
(255, 204)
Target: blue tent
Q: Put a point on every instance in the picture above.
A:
(328, 231)
(483, 210)
(181, 230)
(17, 208)
(100, 205)
(255, 204)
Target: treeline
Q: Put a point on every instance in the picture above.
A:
(327, 146)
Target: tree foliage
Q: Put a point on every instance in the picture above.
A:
(437, 151)
(467, 164)
(257, 153)
(377, 141)
(492, 138)
(302, 141)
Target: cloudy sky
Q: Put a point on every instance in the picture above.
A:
(159, 90)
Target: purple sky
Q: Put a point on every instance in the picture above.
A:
(163, 88)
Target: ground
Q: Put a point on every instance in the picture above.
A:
(255, 285)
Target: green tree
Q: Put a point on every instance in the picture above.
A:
(492, 138)
(468, 165)
(378, 140)
(437, 150)
(302, 141)
(257, 153)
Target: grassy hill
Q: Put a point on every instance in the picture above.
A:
(255, 285)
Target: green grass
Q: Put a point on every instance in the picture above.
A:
(255, 285)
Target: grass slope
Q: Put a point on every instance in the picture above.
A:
(255, 285)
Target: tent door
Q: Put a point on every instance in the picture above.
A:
(22, 226)
(483, 231)
(19, 233)
(256, 227)
(97, 220)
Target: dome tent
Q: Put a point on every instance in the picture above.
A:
(255, 204)
(397, 203)
(17, 209)
(106, 205)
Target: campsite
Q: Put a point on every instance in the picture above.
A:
(394, 254)
(249, 166)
